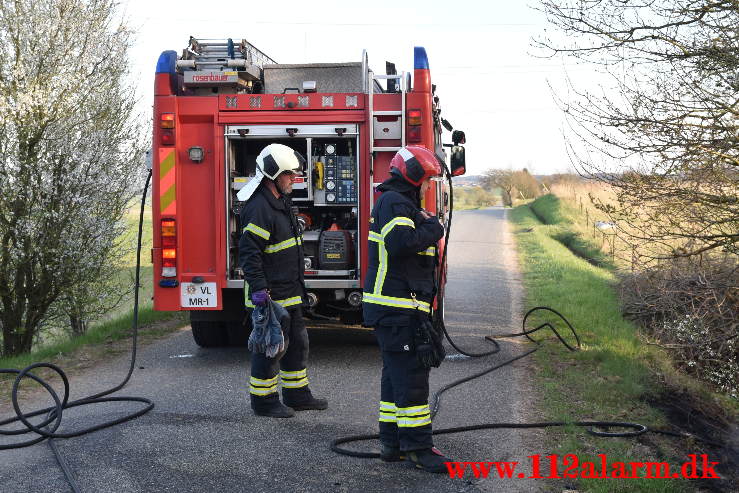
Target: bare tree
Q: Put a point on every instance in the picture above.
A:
(69, 142)
(504, 180)
(512, 184)
(525, 183)
(665, 136)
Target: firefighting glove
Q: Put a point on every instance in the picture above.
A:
(260, 297)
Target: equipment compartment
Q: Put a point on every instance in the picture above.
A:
(325, 200)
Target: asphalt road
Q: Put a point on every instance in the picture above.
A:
(202, 436)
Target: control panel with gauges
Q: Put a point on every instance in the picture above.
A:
(325, 201)
(334, 174)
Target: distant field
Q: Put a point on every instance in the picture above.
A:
(579, 209)
(627, 253)
(474, 197)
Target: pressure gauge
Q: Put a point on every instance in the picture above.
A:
(330, 149)
(330, 197)
(330, 185)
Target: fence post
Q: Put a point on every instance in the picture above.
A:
(613, 247)
(587, 217)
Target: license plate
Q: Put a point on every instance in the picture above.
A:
(203, 295)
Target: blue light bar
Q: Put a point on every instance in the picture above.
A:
(420, 60)
(166, 62)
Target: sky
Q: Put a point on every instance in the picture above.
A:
(492, 81)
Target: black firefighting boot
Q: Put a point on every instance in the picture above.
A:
(429, 459)
(390, 453)
(271, 407)
(303, 400)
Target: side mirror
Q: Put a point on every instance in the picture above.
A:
(456, 161)
(446, 124)
(458, 137)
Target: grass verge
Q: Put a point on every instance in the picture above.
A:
(97, 341)
(612, 378)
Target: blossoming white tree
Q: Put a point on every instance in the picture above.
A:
(70, 147)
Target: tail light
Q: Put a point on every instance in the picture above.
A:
(414, 134)
(169, 248)
(167, 138)
(414, 117)
(167, 120)
(414, 126)
(166, 123)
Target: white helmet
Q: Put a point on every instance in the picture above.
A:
(276, 158)
(273, 160)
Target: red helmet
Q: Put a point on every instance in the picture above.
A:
(415, 164)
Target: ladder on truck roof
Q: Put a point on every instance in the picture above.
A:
(221, 65)
(218, 54)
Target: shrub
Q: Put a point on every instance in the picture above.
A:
(691, 306)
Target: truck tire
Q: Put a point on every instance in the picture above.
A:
(238, 335)
(208, 333)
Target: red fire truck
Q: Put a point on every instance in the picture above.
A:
(215, 107)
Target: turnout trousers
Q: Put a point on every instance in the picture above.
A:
(288, 367)
(404, 417)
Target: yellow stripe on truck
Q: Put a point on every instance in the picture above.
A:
(167, 182)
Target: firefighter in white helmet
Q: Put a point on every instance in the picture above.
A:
(271, 257)
(398, 292)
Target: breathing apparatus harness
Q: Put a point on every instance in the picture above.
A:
(597, 428)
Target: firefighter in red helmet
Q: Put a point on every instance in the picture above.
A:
(398, 292)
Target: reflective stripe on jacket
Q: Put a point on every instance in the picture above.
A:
(402, 259)
(270, 249)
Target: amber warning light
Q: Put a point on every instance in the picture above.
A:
(167, 120)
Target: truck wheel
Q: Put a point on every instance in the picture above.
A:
(208, 333)
(238, 335)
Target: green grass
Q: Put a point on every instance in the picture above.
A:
(112, 330)
(610, 377)
(571, 231)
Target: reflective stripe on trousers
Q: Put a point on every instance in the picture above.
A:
(294, 379)
(258, 386)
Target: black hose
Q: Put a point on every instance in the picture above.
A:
(47, 428)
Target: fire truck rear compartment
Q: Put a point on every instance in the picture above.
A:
(325, 200)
